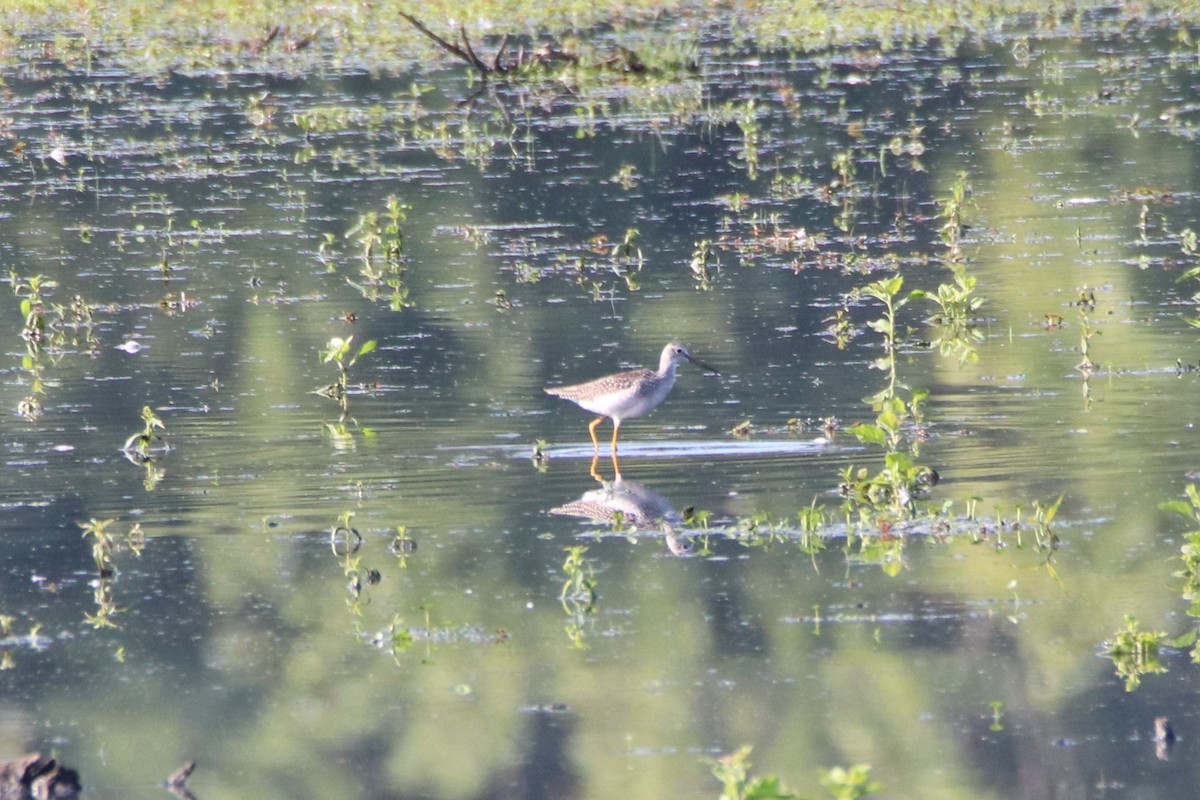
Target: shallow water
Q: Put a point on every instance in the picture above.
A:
(192, 213)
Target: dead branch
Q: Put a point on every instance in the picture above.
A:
(499, 53)
(467, 55)
(479, 65)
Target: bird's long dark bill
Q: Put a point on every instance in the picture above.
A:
(702, 365)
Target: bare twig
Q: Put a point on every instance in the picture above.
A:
(467, 55)
(479, 65)
(499, 53)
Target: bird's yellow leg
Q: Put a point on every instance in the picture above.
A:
(616, 431)
(616, 466)
(595, 472)
(592, 431)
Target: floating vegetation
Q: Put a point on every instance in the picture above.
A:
(1134, 653)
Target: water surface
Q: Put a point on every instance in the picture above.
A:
(214, 220)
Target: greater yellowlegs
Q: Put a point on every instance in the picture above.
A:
(628, 394)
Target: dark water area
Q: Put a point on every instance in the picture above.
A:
(220, 229)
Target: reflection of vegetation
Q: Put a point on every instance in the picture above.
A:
(104, 545)
(345, 541)
(703, 257)
(1189, 242)
(33, 333)
(952, 210)
(403, 545)
(955, 316)
(628, 259)
(140, 446)
(578, 595)
(1134, 653)
(9, 640)
(382, 244)
(48, 328)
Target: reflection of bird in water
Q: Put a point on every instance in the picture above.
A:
(631, 504)
(628, 394)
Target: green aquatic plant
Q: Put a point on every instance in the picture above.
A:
(1189, 243)
(403, 545)
(843, 165)
(733, 771)
(1043, 515)
(997, 709)
(850, 784)
(1134, 653)
(382, 253)
(892, 409)
(102, 544)
(345, 542)
(704, 258)
(338, 351)
(541, 461)
(887, 293)
(139, 447)
(1189, 557)
(956, 307)
(1086, 305)
(839, 328)
(812, 521)
(106, 605)
(897, 427)
(628, 259)
(105, 544)
(951, 212)
(578, 594)
(745, 114)
(627, 176)
(579, 588)
(31, 290)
